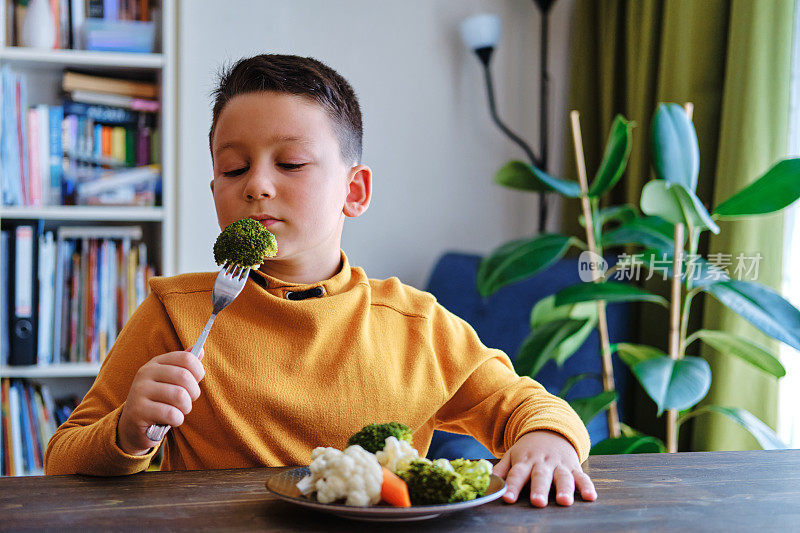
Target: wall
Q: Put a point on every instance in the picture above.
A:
(428, 135)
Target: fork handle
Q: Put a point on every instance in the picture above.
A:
(156, 432)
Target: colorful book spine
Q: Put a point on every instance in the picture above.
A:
(56, 117)
(34, 160)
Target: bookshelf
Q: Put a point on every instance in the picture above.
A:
(43, 70)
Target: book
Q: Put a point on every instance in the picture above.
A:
(77, 18)
(56, 117)
(74, 81)
(116, 100)
(5, 427)
(102, 113)
(32, 436)
(15, 424)
(10, 172)
(20, 97)
(34, 160)
(28, 458)
(4, 301)
(46, 280)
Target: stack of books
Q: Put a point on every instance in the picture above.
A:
(104, 133)
(28, 418)
(89, 281)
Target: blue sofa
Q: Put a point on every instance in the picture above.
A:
(502, 321)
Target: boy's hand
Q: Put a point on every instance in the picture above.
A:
(544, 457)
(161, 393)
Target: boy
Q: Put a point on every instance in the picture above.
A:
(311, 350)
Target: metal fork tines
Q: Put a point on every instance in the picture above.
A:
(230, 282)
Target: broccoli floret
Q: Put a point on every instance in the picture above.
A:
(475, 473)
(245, 243)
(431, 483)
(372, 437)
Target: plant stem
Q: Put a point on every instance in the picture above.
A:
(602, 321)
(687, 305)
(677, 322)
(674, 329)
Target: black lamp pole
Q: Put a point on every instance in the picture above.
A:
(485, 54)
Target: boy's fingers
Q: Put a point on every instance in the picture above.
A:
(163, 414)
(501, 468)
(185, 360)
(172, 395)
(585, 485)
(541, 479)
(176, 375)
(565, 486)
(515, 480)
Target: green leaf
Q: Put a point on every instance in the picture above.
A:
(676, 204)
(609, 291)
(518, 175)
(626, 445)
(745, 349)
(588, 408)
(761, 306)
(518, 260)
(676, 155)
(765, 436)
(615, 158)
(566, 187)
(617, 213)
(674, 384)
(573, 380)
(543, 344)
(545, 310)
(776, 189)
(633, 354)
(639, 231)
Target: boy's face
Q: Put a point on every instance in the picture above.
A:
(276, 159)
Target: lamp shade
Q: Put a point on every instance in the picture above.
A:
(481, 31)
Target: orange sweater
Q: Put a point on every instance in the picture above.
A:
(285, 376)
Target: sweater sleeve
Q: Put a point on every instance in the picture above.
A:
(484, 397)
(87, 442)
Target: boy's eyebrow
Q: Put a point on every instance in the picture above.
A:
(274, 139)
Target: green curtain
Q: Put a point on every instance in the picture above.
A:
(732, 60)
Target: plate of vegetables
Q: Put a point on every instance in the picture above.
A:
(380, 477)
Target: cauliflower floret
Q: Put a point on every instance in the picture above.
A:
(396, 454)
(353, 474)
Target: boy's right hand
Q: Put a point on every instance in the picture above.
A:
(162, 392)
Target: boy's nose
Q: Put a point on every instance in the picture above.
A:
(259, 186)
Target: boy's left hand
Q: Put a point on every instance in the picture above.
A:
(544, 457)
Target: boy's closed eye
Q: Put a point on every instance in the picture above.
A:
(286, 166)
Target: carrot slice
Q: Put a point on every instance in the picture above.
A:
(394, 490)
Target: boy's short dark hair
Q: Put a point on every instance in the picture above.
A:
(303, 76)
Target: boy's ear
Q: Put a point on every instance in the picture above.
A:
(359, 191)
(212, 186)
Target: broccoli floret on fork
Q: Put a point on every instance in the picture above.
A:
(244, 243)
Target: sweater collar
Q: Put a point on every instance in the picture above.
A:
(340, 282)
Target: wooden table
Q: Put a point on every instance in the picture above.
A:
(722, 491)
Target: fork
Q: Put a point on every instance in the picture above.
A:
(230, 282)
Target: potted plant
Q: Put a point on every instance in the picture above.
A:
(664, 230)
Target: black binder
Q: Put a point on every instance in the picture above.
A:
(23, 298)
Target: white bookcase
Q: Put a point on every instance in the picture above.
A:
(43, 70)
